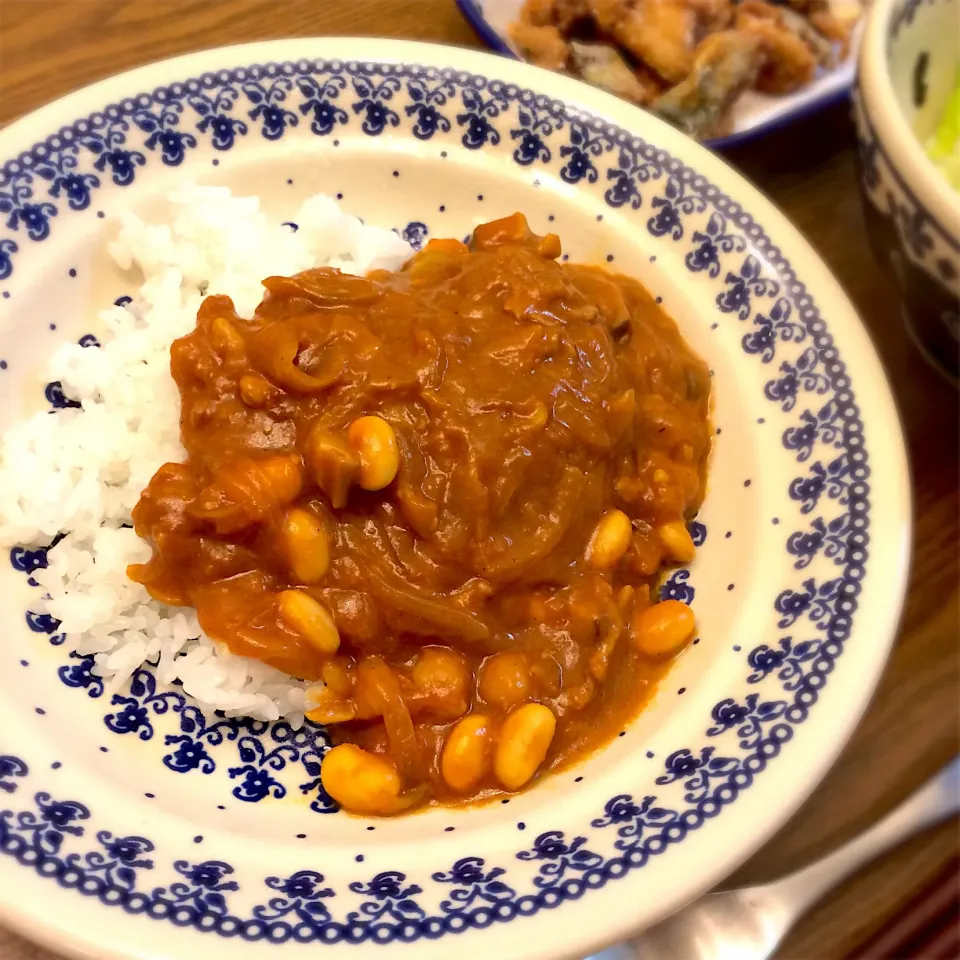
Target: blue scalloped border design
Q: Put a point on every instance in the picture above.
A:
(810, 382)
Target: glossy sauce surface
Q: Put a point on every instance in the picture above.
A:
(529, 399)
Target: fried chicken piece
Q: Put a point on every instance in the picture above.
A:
(604, 67)
(537, 13)
(713, 15)
(835, 26)
(661, 33)
(822, 47)
(793, 46)
(562, 14)
(724, 65)
(834, 20)
(541, 32)
(606, 14)
(542, 46)
(568, 12)
(788, 61)
(823, 26)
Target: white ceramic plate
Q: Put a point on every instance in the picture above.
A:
(753, 114)
(132, 827)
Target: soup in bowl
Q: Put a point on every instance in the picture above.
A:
(907, 110)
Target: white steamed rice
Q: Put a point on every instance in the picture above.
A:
(82, 470)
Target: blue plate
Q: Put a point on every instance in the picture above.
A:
(132, 825)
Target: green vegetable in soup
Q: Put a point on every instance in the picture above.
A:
(943, 147)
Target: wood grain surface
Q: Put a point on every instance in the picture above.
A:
(49, 47)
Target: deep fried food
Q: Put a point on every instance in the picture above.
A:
(657, 51)
(562, 14)
(788, 62)
(543, 45)
(603, 66)
(792, 48)
(713, 14)
(661, 33)
(725, 64)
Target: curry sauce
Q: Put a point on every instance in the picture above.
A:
(442, 496)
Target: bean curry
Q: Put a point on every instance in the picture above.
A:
(442, 497)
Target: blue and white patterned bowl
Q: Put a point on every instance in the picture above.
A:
(130, 825)
(908, 65)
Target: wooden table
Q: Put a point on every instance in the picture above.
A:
(808, 169)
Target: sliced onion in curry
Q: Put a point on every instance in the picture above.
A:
(529, 399)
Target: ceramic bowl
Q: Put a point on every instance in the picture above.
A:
(908, 65)
(132, 826)
(754, 113)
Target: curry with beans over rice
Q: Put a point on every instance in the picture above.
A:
(442, 496)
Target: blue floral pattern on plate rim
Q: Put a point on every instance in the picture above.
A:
(809, 383)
